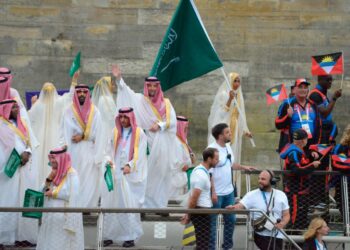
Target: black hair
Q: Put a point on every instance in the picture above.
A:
(209, 153)
(218, 129)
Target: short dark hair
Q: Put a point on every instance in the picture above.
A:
(209, 153)
(218, 129)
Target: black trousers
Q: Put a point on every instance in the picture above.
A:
(299, 205)
(201, 223)
(267, 242)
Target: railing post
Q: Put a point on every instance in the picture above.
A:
(346, 205)
(219, 231)
(247, 182)
(100, 231)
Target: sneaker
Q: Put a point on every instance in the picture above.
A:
(128, 243)
(106, 243)
(28, 244)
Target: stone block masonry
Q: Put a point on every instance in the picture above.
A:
(266, 41)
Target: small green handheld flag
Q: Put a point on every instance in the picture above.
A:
(75, 65)
(12, 163)
(109, 177)
(33, 198)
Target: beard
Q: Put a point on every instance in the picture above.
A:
(264, 187)
(81, 100)
(13, 116)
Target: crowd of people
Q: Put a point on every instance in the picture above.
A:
(68, 145)
(307, 143)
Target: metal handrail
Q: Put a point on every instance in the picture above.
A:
(280, 230)
(148, 210)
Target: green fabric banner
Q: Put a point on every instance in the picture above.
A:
(186, 51)
(75, 65)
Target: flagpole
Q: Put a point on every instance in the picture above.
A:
(342, 75)
(236, 103)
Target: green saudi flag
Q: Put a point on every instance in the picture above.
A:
(186, 51)
(75, 65)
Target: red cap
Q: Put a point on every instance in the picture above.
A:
(301, 81)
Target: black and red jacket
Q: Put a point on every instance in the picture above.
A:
(299, 162)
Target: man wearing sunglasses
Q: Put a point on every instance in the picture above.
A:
(81, 133)
(223, 188)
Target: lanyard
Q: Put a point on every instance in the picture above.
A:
(226, 158)
(307, 112)
(205, 170)
(265, 200)
(124, 141)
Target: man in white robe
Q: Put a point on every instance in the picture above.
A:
(81, 129)
(46, 116)
(7, 92)
(14, 134)
(157, 117)
(61, 230)
(184, 159)
(127, 154)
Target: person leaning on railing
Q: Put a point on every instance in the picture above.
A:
(200, 198)
(301, 162)
(274, 203)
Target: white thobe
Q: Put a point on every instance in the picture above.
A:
(161, 143)
(84, 155)
(62, 230)
(25, 116)
(12, 225)
(137, 178)
(121, 227)
(179, 177)
(45, 120)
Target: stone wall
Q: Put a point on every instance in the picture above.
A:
(266, 41)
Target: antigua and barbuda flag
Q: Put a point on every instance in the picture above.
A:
(330, 64)
(323, 149)
(340, 162)
(341, 157)
(276, 93)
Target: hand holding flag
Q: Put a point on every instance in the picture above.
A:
(323, 149)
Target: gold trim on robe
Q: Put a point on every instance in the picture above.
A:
(85, 127)
(136, 146)
(156, 112)
(184, 144)
(18, 132)
(59, 187)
